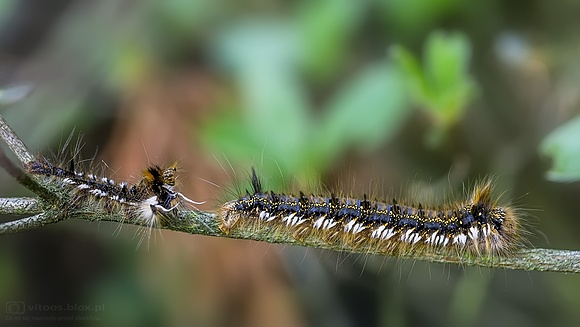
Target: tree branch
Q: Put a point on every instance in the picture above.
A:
(14, 142)
(55, 204)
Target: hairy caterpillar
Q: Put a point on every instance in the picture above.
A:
(477, 226)
(146, 202)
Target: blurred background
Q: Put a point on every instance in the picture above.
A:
(415, 97)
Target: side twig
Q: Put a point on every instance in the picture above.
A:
(19, 206)
(14, 142)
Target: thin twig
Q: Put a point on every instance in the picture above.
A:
(20, 206)
(25, 224)
(14, 142)
(56, 207)
(23, 178)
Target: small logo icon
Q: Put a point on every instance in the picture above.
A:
(15, 307)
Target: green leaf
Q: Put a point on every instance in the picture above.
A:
(276, 111)
(447, 58)
(13, 94)
(366, 113)
(563, 146)
(326, 28)
(257, 44)
(413, 73)
(443, 87)
(410, 18)
(262, 55)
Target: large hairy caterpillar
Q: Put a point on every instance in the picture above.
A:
(476, 226)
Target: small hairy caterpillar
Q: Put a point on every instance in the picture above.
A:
(147, 202)
(477, 226)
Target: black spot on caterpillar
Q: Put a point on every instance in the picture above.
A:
(476, 226)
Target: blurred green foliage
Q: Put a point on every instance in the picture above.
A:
(11, 95)
(278, 119)
(443, 86)
(562, 145)
(326, 29)
(411, 18)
